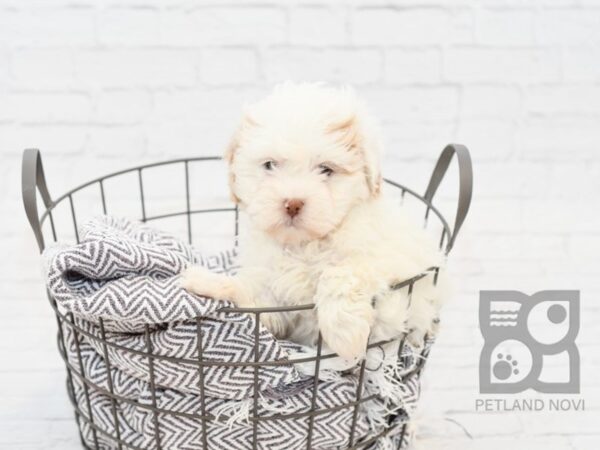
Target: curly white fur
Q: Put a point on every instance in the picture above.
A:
(317, 148)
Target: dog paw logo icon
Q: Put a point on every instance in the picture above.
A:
(529, 342)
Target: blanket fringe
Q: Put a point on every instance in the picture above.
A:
(238, 413)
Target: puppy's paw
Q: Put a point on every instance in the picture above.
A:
(275, 323)
(347, 336)
(329, 368)
(345, 313)
(201, 281)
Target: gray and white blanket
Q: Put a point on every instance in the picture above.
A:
(124, 275)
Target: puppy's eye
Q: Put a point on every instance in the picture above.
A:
(325, 170)
(269, 165)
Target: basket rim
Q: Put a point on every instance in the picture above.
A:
(100, 179)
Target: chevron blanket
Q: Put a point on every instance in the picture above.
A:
(124, 275)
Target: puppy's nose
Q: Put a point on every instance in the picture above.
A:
(293, 206)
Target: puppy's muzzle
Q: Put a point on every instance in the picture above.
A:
(293, 207)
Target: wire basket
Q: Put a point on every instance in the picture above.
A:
(42, 212)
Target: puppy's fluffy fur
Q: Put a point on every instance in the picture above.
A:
(340, 244)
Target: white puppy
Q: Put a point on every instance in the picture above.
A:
(304, 166)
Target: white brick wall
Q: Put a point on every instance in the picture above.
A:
(98, 86)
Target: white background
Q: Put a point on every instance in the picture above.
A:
(99, 86)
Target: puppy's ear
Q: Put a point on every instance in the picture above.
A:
(229, 157)
(370, 154)
(232, 149)
(350, 134)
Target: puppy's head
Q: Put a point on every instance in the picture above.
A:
(302, 158)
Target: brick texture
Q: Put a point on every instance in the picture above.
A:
(99, 86)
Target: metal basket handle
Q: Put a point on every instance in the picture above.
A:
(33, 180)
(465, 189)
